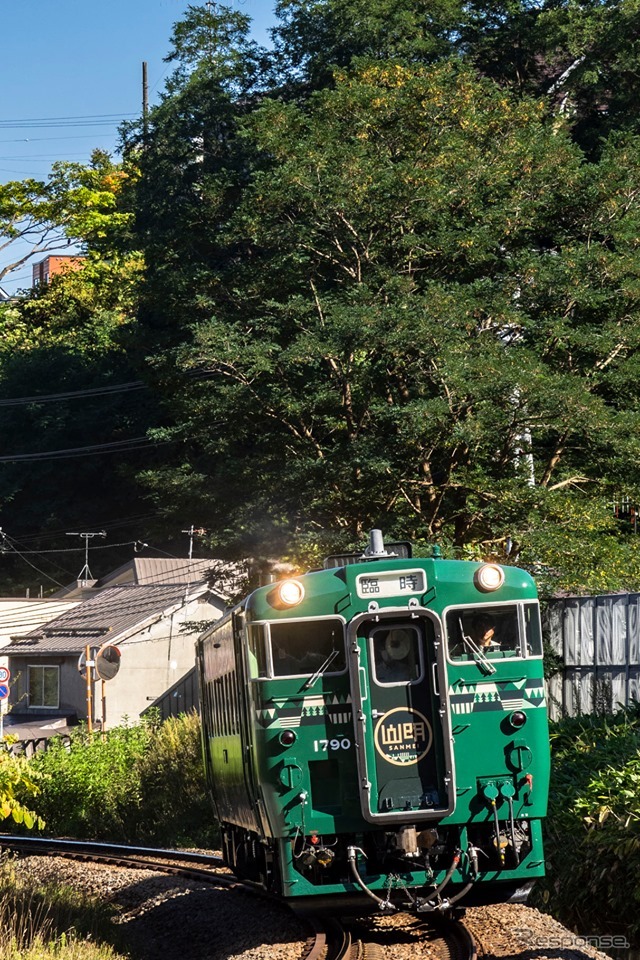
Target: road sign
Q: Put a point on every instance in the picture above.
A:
(4, 691)
(5, 673)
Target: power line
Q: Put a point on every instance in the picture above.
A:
(117, 446)
(121, 522)
(79, 136)
(86, 120)
(72, 394)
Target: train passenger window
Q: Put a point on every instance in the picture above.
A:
(533, 629)
(299, 648)
(257, 647)
(396, 654)
(491, 632)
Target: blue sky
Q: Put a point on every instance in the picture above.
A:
(81, 60)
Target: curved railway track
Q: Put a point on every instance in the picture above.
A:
(329, 938)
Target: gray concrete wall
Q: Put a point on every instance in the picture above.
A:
(151, 662)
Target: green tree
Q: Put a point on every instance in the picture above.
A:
(68, 389)
(75, 204)
(416, 321)
(313, 37)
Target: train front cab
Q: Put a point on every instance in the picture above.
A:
(445, 771)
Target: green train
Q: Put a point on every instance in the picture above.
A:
(375, 733)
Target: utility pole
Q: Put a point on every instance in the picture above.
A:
(85, 573)
(145, 99)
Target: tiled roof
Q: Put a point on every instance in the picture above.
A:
(109, 616)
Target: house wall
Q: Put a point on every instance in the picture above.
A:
(151, 662)
(73, 702)
(52, 265)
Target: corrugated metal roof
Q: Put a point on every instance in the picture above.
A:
(168, 570)
(108, 616)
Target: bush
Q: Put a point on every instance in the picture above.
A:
(175, 801)
(140, 784)
(593, 827)
(18, 786)
(90, 788)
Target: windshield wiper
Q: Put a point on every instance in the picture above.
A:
(321, 669)
(475, 651)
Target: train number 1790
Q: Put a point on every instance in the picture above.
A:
(322, 746)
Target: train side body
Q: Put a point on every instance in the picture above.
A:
(361, 749)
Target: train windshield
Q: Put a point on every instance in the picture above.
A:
(494, 632)
(300, 648)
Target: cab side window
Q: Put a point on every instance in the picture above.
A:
(490, 632)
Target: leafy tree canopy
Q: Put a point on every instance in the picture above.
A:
(77, 204)
(424, 320)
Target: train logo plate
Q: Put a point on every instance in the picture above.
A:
(403, 736)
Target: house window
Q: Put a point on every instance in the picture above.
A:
(44, 687)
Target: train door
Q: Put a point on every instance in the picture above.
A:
(403, 738)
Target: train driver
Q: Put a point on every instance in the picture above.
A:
(395, 656)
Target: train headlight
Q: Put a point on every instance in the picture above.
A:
(489, 577)
(287, 738)
(290, 592)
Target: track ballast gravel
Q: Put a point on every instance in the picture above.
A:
(170, 918)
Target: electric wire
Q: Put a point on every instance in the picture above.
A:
(96, 449)
(73, 394)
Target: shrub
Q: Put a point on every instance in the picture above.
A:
(175, 802)
(18, 786)
(91, 788)
(140, 784)
(593, 827)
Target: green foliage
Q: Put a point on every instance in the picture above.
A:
(91, 788)
(593, 827)
(412, 307)
(75, 204)
(19, 785)
(142, 783)
(175, 801)
(313, 37)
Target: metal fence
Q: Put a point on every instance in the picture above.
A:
(182, 697)
(27, 748)
(597, 641)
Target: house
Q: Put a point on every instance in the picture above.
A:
(55, 264)
(152, 625)
(4, 296)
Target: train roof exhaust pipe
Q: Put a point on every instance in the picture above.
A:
(375, 549)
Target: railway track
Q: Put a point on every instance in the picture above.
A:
(374, 938)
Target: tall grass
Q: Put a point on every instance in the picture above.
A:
(42, 920)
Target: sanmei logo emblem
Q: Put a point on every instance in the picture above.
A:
(403, 736)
